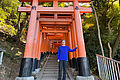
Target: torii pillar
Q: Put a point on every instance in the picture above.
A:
(70, 45)
(75, 56)
(83, 64)
(26, 64)
(36, 44)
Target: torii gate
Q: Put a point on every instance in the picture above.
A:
(35, 37)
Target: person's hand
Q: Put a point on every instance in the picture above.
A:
(58, 60)
(76, 46)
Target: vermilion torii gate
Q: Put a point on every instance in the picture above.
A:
(47, 24)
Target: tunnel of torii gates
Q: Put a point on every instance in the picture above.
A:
(48, 26)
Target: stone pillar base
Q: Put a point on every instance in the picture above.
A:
(34, 73)
(37, 70)
(72, 70)
(85, 78)
(25, 78)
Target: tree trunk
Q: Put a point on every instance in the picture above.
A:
(110, 50)
(17, 37)
(110, 32)
(116, 44)
(99, 36)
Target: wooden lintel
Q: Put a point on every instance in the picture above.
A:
(55, 31)
(55, 38)
(55, 23)
(55, 20)
(55, 9)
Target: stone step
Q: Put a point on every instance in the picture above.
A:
(50, 72)
(52, 78)
(51, 69)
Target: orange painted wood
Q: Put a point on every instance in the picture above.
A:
(55, 20)
(45, 45)
(54, 13)
(58, 0)
(72, 40)
(39, 48)
(85, 10)
(55, 17)
(54, 23)
(79, 32)
(36, 39)
(31, 31)
(55, 31)
(24, 9)
(70, 43)
(75, 38)
(44, 42)
(65, 38)
(48, 46)
(55, 37)
(57, 44)
(38, 52)
(55, 9)
(42, 47)
(55, 3)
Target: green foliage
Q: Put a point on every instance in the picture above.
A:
(92, 46)
(105, 11)
(9, 16)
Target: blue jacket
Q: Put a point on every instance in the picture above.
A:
(63, 52)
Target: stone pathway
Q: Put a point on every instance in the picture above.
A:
(50, 71)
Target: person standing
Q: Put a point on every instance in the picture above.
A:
(63, 58)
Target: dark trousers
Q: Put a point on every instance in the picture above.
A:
(62, 66)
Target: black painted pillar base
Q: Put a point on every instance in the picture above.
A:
(84, 68)
(38, 63)
(76, 66)
(42, 55)
(34, 64)
(74, 62)
(26, 67)
(70, 62)
(48, 53)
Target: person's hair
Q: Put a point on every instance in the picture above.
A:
(63, 40)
